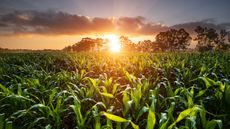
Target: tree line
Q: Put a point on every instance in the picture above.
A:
(208, 39)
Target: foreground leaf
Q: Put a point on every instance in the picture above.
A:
(119, 119)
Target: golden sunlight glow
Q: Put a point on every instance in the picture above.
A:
(114, 43)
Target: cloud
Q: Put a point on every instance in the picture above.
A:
(209, 23)
(61, 23)
(130, 24)
(3, 25)
(54, 23)
(153, 28)
(46, 22)
(51, 22)
(102, 25)
(226, 25)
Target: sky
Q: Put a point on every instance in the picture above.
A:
(54, 24)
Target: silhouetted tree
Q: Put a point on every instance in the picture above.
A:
(221, 44)
(68, 48)
(86, 44)
(200, 35)
(173, 40)
(145, 46)
(162, 41)
(99, 43)
(182, 40)
(208, 39)
(127, 44)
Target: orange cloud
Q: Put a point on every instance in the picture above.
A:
(60, 23)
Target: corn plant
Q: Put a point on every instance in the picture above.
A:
(99, 90)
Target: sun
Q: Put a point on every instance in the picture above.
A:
(114, 43)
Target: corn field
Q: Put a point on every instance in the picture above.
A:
(106, 91)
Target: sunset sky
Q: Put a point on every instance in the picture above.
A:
(54, 24)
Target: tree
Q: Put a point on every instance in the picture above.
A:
(68, 48)
(145, 46)
(127, 44)
(99, 43)
(162, 41)
(208, 39)
(200, 34)
(86, 44)
(173, 40)
(182, 40)
(222, 45)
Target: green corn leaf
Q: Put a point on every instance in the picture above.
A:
(201, 92)
(114, 89)
(202, 70)
(118, 126)
(77, 110)
(208, 81)
(184, 114)
(5, 90)
(2, 119)
(163, 118)
(54, 91)
(213, 123)
(97, 122)
(119, 119)
(48, 126)
(38, 106)
(143, 110)
(227, 95)
(170, 111)
(94, 83)
(221, 86)
(19, 113)
(151, 120)
(19, 90)
(37, 120)
(202, 114)
(151, 116)
(108, 95)
(114, 117)
(104, 89)
(125, 101)
(134, 125)
(9, 125)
